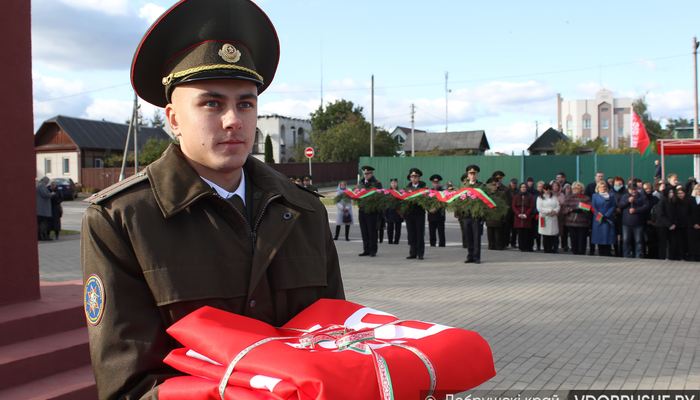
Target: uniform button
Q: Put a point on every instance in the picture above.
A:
(287, 215)
(253, 303)
(257, 195)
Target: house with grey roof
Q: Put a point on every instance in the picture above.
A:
(448, 143)
(64, 146)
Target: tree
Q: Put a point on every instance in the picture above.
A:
(269, 158)
(676, 122)
(152, 151)
(157, 121)
(334, 114)
(653, 127)
(341, 133)
(568, 147)
(141, 119)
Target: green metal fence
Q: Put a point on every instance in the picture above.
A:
(540, 168)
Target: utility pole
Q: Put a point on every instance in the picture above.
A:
(371, 129)
(321, 76)
(136, 138)
(128, 136)
(537, 129)
(413, 132)
(446, 74)
(695, 122)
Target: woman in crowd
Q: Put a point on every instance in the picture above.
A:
(567, 190)
(578, 218)
(659, 187)
(345, 216)
(558, 193)
(565, 234)
(603, 230)
(523, 207)
(682, 225)
(618, 191)
(56, 209)
(666, 225)
(694, 225)
(548, 224)
(393, 218)
(651, 239)
(689, 185)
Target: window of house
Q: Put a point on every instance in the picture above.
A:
(620, 131)
(606, 140)
(47, 166)
(569, 133)
(98, 163)
(586, 124)
(66, 166)
(604, 109)
(401, 139)
(569, 125)
(606, 123)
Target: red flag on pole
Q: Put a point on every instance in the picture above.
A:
(640, 138)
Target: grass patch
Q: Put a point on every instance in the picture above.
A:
(68, 232)
(328, 202)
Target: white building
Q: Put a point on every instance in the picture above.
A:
(605, 117)
(284, 132)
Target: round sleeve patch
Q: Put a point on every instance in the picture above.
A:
(94, 299)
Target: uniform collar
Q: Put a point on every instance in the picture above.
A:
(176, 185)
(240, 191)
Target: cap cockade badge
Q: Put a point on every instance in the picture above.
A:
(230, 53)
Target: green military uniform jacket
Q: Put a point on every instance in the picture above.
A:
(167, 244)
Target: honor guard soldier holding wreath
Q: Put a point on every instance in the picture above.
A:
(206, 224)
(368, 220)
(415, 218)
(436, 217)
(473, 227)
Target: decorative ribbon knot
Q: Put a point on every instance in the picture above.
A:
(344, 338)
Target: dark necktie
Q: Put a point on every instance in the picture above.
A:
(238, 203)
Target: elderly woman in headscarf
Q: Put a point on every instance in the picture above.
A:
(345, 216)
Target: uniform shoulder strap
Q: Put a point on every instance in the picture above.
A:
(103, 195)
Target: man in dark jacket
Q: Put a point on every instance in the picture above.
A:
(436, 217)
(634, 206)
(207, 224)
(415, 218)
(368, 220)
(473, 227)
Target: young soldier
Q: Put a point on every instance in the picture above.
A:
(436, 217)
(207, 224)
(415, 218)
(473, 227)
(368, 220)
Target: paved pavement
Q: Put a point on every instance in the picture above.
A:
(554, 321)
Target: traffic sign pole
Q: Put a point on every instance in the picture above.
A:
(309, 153)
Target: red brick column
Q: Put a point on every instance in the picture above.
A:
(18, 243)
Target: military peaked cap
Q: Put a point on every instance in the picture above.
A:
(414, 172)
(473, 168)
(367, 168)
(492, 179)
(205, 39)
(436, 178)
(498, 174)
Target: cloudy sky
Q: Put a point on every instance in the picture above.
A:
(506, 60)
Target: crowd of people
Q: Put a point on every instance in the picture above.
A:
(615, 217)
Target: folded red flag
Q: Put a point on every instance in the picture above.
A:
(332, 350)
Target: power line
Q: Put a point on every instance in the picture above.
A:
(408, 86)
(80, 94)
